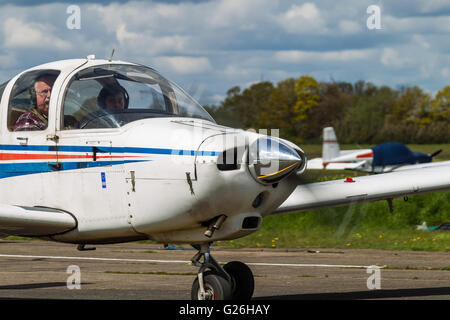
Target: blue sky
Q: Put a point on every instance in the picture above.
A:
(209, 46)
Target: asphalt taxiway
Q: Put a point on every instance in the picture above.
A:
(136, 271)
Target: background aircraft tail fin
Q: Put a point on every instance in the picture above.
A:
(434, 154)
(330, 146)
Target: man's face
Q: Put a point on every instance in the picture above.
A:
(43, 89)
(116, 101)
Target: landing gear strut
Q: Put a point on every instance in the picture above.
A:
(233, 281)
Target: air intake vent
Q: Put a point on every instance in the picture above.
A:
(227, 160)
(250, 223)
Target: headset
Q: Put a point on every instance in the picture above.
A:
(32, 89)
(112, 90)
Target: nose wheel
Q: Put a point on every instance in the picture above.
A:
(242, 278)
(214, 282)
(210, 286)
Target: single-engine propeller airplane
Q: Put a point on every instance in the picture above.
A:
(384, 157)
(98, 151)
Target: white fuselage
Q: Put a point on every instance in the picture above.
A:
(151, 178)
(138, 185)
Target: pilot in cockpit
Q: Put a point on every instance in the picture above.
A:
(113, 97)
(37, 117)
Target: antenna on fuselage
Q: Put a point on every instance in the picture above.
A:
(111, 56)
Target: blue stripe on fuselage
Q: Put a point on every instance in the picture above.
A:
(18, 169)
(108, 149)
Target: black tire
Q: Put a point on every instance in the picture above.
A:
(242, 278)
(216, 287)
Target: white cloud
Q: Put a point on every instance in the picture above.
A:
(428, 24)
(247, 15)
(20, 35)
(391, 58)
(421, 41)
(7, 60)
(427, 69)
(237, 71)
(123, 35)
(184, 65)
(433, 6)
(297, 56)
(243, 40)
(349, 27)
(302, 19)
(3, 77)
(217, 98)
(147, 44)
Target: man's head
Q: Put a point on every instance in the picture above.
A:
(43, 88)
(116, 101)
(112, 98)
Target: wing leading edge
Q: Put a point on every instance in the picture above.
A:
(368, 188)
(34, 221)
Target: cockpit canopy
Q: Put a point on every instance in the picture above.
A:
(112, 95)
(100, 96)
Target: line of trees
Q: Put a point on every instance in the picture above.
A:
(360, 112)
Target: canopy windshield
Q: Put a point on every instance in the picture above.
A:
(110, 96)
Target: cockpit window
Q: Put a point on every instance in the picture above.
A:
(110, 96)
(30, 99)
(2, 88)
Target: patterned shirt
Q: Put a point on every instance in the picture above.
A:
(30, 121)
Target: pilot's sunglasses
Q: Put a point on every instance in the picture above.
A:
(44, 93)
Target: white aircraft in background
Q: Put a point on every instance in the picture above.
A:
(385, 157)
(148, 162)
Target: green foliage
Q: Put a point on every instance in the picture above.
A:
(440, 107)
(364, 225)
(361, 113)
(412, 106)
(367, 225)
(329, 110)
(307, 91)
(279, 111)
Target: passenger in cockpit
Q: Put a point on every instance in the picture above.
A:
(37, 117)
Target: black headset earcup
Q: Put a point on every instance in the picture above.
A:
(33, 96)
(101, 101)
(127, 98)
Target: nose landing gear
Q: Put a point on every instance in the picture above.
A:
(233, 281)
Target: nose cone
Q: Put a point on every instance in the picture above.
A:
(271, 160)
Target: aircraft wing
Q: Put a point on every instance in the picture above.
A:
(415, 166)
(345, 166)
(368, 188)
(34, 221)
(317, 163)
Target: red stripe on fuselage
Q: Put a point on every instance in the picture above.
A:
(21, 156)
(365, 155)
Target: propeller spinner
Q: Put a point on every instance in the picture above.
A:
(271, 160)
